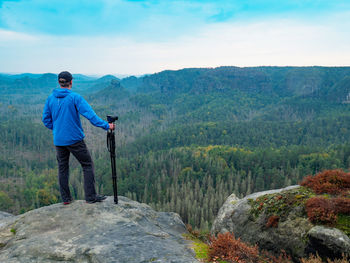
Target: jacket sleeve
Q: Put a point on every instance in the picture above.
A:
(47, 117)
(85, 109)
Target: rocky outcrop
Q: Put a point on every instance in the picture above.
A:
(276, 220)
(4, 218)
(101, 232)
(4, 215)
(328, 241)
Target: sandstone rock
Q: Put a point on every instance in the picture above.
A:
(4, 218)
(328, 240)
(292, 233)
(224, 213)
(101, 232)
(235, 214)
(4, 215)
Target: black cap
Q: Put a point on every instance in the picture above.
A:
(65, 75)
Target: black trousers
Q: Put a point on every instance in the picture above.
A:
(81, 153)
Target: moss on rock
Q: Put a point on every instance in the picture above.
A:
(281, 204)
(200, 247)
(291, 203)
(343, 223)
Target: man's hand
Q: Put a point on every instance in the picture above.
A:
(111, 126)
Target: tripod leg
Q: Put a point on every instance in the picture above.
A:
(114, 179)
(111, 149)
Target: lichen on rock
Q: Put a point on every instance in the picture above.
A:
(276, 220)
(101, 232)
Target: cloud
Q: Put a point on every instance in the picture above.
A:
(11, 36)
(270, 42)
(146, 36)
(144, 19)
(62, 17)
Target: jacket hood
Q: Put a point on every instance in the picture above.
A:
(61, 93)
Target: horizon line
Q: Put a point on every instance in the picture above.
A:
(121, 75)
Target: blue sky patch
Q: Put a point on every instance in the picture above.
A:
(146, 17)
(146, 36)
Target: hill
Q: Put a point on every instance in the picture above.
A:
(205, 131)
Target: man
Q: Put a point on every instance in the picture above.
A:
(61, 114)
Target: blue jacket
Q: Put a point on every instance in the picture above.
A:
(61, 114)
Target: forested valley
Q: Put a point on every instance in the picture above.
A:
(186, 139)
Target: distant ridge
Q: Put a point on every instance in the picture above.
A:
(81, 77)
(107, 78)
(76, 77)
(22, 75)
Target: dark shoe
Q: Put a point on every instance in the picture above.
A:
(98, 198)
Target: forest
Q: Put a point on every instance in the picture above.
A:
(186, 139)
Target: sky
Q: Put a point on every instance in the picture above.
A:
(135, 37)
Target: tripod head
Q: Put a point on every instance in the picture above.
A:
(111, 119)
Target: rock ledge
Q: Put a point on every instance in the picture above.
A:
(247, 218)
(101, 232)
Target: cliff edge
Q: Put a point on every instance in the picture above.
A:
(101, 232)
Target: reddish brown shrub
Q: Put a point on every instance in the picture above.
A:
(321, 210)
(226, 247)
(192, 231)
(267, 257)
(342, 205)
(329, 181)
(189, 228)
(318, 259)
(278, 197)
(273, 221)
(345, 194)
(201, 235)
